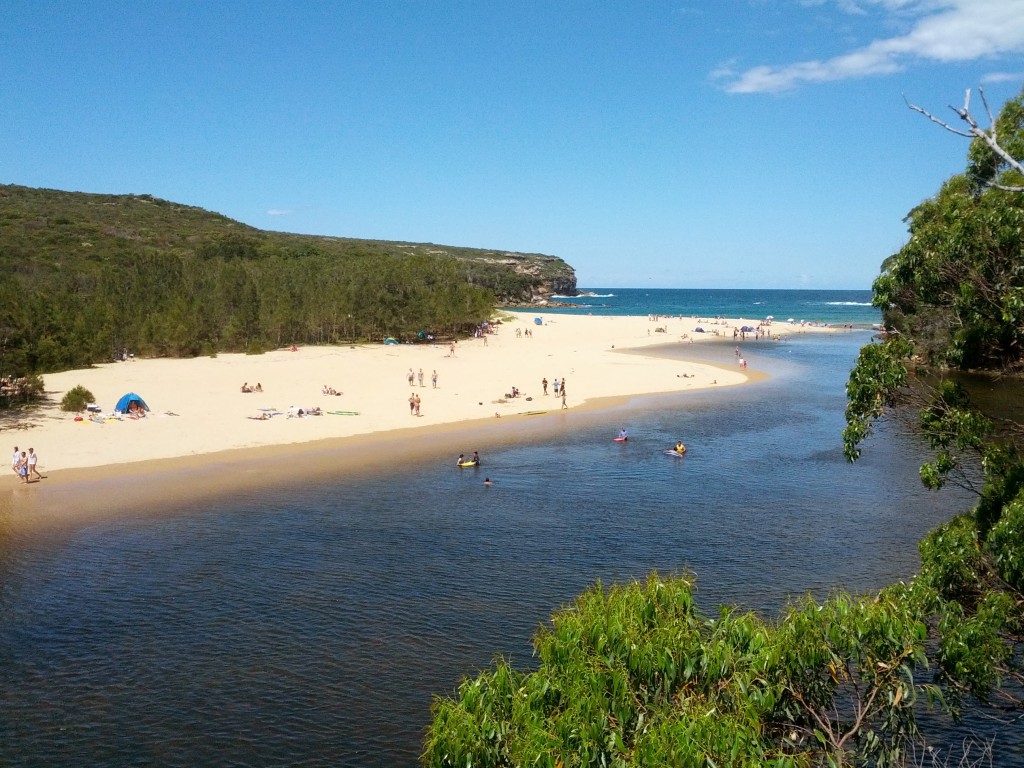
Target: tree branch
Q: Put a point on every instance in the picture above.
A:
(976, 132)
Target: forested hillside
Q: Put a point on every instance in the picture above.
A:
(86, 275)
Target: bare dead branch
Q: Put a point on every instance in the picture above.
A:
(976, 132)
(936, 120)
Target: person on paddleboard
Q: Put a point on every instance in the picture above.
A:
(623, 434)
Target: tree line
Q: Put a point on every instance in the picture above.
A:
(87, 276)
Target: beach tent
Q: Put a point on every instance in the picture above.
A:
(698, 329)
(390, 340)
(747, 329)
(126, 400)
(538, 321)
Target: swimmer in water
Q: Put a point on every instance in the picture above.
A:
(487, 481)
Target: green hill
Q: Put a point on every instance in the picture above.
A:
(89, 274)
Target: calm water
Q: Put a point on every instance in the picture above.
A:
(752, 304)
(312, 625)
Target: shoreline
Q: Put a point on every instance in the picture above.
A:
(216, 450)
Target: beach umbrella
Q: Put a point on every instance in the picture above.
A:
(770, 317)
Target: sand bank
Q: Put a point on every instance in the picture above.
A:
(197, 408)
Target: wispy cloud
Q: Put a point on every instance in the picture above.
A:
(1002, 77)
(280, 212)
(937, 30)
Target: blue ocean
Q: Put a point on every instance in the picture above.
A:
(833, 307)
(314, 624)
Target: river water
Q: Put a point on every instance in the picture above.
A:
(312, 625)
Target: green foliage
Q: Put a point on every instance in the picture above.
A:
(875, 382)
(87, 275)
(1004, 542)
(76, 398)
(956, 293)
(633, 675)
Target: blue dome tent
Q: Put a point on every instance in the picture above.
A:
(125, 403)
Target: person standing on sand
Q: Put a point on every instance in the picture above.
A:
(15, 460)
(410, 376)
(554, 386)
(544, 384)
(420, 375)
(416, 403)
(563, 398)
(33, 462)
(412, 405)
(433, 378)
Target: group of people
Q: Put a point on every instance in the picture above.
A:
(330, 391)
(25, 464)
(247, 388)
(557, 386)
(414, 404)
(413, 377)
(463, 462)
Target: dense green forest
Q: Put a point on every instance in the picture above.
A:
(634, 675)
(87, 275)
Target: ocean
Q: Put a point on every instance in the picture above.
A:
(313, 624)
(832, 307)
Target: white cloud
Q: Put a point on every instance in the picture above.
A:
(280, 212)
(939, 30)
(1002, 77)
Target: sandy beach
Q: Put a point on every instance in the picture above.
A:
(199, 413)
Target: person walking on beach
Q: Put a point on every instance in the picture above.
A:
(433, 378)
(23, 467)
(416, 404)
(544, 384)
(554, 386)
(33, 462)
(563, 398)
(412, 405)
(420, 375)
(410, 376)
(15, 460)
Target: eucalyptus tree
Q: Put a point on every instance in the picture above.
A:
(953, 298)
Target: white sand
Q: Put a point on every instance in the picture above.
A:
(210, 414)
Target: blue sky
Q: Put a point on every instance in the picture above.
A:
(734, 143)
